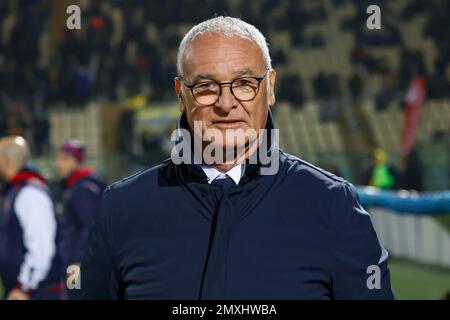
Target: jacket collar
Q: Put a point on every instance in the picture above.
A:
(24, 176)
(77, 175)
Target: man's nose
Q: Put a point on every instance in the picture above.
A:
(226, 100)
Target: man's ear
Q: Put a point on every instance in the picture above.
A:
(179, 94)
(272, 80)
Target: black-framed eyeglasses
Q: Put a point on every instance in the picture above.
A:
(207, 92)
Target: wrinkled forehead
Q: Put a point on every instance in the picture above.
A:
(218, 55)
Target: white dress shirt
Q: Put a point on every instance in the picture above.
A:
(234, 173)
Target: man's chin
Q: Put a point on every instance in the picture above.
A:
(225, 152)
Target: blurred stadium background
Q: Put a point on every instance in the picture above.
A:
(341, 93)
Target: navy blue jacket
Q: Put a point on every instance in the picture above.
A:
(298, 234)
(82, 194)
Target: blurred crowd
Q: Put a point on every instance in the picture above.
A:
(128, 47)
(125, 47)
(412, 61)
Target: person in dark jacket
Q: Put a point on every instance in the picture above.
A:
(29, 265)
(83, 188)
(411, 173)
(261, 224)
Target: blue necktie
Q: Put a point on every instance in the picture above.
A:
(225, 182)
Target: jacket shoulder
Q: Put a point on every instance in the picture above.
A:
(339, 195)
(309, 173)
(146, 179)
(92, 184)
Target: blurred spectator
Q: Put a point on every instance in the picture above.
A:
(381, 174)
(83, 188)
(29, 264)
(388, 93)
(410, 176)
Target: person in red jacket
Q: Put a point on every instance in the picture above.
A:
(29, 266)
(83, 188)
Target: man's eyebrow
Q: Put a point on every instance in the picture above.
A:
(244, 72)
(203, 76)
(239, 73)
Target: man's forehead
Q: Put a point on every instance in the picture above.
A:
(5, 142)
(207, 53)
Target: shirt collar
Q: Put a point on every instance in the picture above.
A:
(234, 173)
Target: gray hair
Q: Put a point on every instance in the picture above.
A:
(229, 27)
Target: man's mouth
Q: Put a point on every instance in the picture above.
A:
(228, 124)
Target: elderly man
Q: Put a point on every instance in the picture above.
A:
(28, 264)
(213, 226)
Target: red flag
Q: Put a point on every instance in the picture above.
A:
(414, 102)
